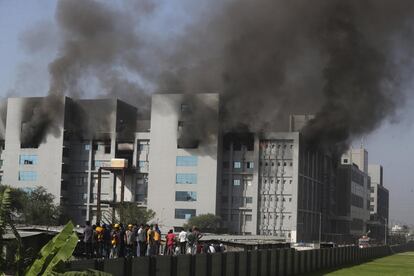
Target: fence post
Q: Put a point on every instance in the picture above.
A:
(273, 262)
(216, 264)
(183, 265)
(229, 260)
(282, 262)
(254, 262)
(289, 261)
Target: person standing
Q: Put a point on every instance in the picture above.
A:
(150, 241)
(170, 239)
(141, 235)
(87, 239)
(191, 242)
(129, 241)
(115, 242)
(157, 240)
(100, 240)
(198, 236)
(182, 239)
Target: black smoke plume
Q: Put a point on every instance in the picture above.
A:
(267, 58)
(98, 42)
(270, 59)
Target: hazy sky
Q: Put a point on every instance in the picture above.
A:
(24, 72)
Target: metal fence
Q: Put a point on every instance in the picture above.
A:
(246, 263)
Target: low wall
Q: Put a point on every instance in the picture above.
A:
(268, 262)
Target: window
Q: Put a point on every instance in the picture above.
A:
(186, 178)
(185, 196)
(185, 108)
(345, 161)
(99, 163)
(234, 217)
(250, 165)
(185, 213)
(237, 165)
(28, 159)
(248, 218)
(249, 200)
(107, 148)
(186, 161)
(226, 164)
(142, 164)
(236, 182)
(27, 176)
(88, 147)
(225, 182)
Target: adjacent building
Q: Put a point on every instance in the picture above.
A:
(181, 164)
(379, 208)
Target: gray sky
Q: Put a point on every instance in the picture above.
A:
(24, 72)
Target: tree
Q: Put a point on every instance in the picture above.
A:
(39, 208)
(209, 223)
(132, 213)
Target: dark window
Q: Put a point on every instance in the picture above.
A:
(107, 148)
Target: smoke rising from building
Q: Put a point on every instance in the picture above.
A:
(267, 59)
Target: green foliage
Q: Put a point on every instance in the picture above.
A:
(206, 223)
(4, 216)
(59, 249)
(34, 207)
(39, 209)
(5, 203)
(132, 213)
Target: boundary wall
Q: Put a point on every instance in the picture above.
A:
(267, 262)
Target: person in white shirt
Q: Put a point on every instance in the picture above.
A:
(182, 238)
(141, 235)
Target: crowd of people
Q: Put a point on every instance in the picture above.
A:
(132, 240)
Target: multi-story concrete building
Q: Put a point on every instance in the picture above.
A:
(353, 192)
(183, 174)
(92, 132)
(379, 200)
(180, 165)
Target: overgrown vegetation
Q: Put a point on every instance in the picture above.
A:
(34, 207)
(208, 223)
(130, 212)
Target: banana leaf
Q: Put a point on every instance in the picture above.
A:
(59, 249)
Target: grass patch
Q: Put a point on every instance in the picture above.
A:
(399, 264)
